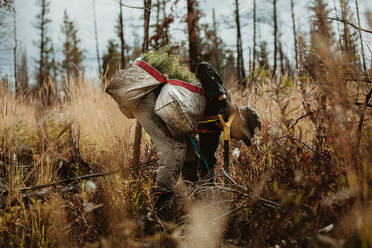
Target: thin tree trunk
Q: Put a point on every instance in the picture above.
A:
(361, 38)
(239, 46)
(249, 60)
(96, 37)
(147, 13)
(215, 37)
(281, 57)
(275, 35)
(346, 33)
(192, 24)
(238, 39)
(254, 36)
(15, 53)
(294, 33)
(42, 44)
(121, 24)
(166, 37)
(362, 114)
(338, 25)
(158, 31)
(145, 47)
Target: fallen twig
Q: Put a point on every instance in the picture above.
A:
(300, 118)
(363, 104)
(84, 177)
(227, 213)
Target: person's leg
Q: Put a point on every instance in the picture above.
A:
(171, 152)
(190, 167)
(208, 146)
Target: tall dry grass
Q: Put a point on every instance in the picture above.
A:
(39, 146)
(308, 158)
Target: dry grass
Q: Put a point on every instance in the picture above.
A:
(312, 166)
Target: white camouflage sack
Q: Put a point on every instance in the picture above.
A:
(129, 86)
(181, 106)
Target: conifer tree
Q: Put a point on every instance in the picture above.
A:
(348, 46)
(192, 25)
(96, 38)
(294, 33)
(360, 37)
(210, 45)
(73, 56)
(120, 32)
(162, 22)
(15, 51)
(167, 20)
(45, 61)
(229, 65)
(254, 34)
(321, 38)
(263, 59)
(111, 59)
(217, 44)
(275, 22)
(239, 46)
(23, 85)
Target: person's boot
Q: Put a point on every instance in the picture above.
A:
(190, 176)
(162, 204)
(190, 171)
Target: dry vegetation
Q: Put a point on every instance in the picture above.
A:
(305, 182)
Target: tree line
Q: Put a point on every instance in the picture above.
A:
(205, 42)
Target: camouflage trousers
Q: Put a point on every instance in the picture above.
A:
(173, 153)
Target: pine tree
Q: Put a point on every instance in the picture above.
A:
(146, 25)
(96, 38)
(45, 60)
(15, 52)
(111, 59)
(229, 65)
(73, 56)
(294, 33)
(192, 26)
(23, 85)
(360, 38)
(263, 57)
(254, 35)
(275, 22)
(158, 31)
(239, 46)
(217, 43)
(320, 27)
(167, 20)
(321, 38)
(161, 36)
(210, 46)
(120, 32)
(348, 46)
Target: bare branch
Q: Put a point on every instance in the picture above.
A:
(129, 6)
(349, 23)
(84, 177)
(363, 104)
(300, 118)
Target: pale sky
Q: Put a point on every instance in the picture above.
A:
(81, 12)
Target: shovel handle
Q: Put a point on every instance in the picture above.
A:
(226, 138)
(226, 156)
(226, 125)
